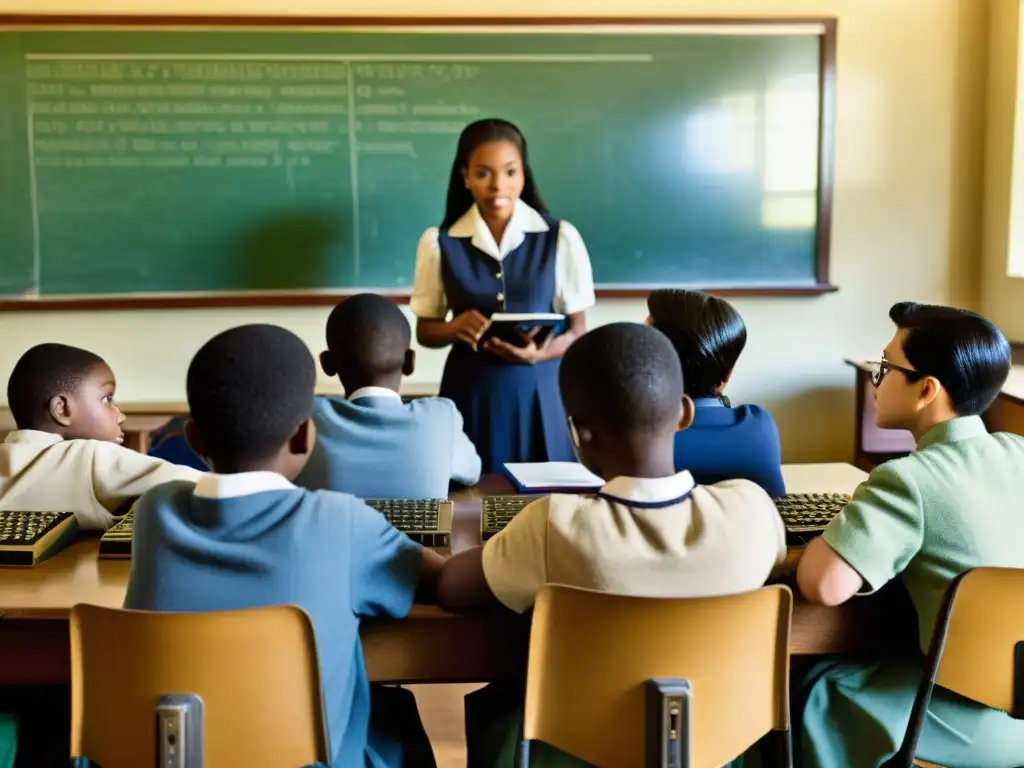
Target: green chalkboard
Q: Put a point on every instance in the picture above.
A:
(160, 163)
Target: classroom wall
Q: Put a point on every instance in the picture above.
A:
(907, 219)
(1003, 296)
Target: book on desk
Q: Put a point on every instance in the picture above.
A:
(551, 477)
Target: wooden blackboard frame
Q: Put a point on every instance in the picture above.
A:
(826, 145)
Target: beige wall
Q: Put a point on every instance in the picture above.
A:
(906, 224)
(1003, 296)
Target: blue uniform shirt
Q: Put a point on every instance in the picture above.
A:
(726, 443)
(253, 539)
(374, 446)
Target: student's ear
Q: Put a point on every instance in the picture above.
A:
(195, 440)
(301, 443)
(931, 389)
(327, 364)
(686, 414)
(649, 321)
(725, 382)
(409, 365)
(59, 409)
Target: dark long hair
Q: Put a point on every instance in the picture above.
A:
(707, 332)
(473, 135)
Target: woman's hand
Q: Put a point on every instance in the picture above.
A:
(529, 354)
(469, 327)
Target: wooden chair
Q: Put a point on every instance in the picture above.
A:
(591, 654)
(255, 670)
(977, 650)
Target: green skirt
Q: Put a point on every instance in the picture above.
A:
(855, 714)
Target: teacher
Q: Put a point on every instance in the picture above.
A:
(499, 250)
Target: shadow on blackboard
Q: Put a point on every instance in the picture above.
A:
(289, 251)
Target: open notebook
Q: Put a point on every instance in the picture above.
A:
(552, 477)
(514, 327)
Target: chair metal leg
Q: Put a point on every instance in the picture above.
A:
(524, 754)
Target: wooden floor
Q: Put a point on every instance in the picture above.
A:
(442, 713)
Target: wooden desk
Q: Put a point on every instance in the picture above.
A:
(431, 645)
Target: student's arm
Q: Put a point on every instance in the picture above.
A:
(466, 463)
(772, 480)
(509, 569)
(426, 591)
(871, 541)
(387, 566)
(120, 474)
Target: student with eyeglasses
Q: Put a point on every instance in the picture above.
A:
(951, 505)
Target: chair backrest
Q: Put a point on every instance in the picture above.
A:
(973, 648)
(591, 653)
(976, 656)
(256, 671)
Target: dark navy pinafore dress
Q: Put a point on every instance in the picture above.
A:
(512, 411)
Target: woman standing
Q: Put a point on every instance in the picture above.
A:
(498, 250)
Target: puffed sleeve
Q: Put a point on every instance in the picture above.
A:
(574, 278)
(428, 297)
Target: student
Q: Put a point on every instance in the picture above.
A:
(244, 536)
(66, 455)
(498, 250)
(723, 442)
(650, 531)
(371, 444)
(951, 505)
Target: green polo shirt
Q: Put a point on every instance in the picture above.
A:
(957, 502)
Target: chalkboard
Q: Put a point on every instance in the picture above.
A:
(154, 164)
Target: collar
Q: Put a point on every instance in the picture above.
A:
(953, 431)
(707, 402)
(33, 437)
(373, 392)
(211, 486)
(649, 490)
(524, 220)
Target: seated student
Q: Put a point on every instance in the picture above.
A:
(169, 443)
(244, 536)
(66, 455)
(651, 531)
(371, 444)
(723, 443)
(952, 504)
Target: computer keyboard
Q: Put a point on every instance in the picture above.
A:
(497, 511)
(428, 522)
(807, 514)
(116, 543)
(28, 537)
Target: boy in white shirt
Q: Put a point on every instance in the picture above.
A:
(66, 455)
(650, 531)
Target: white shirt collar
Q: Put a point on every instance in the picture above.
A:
(524, 219)
(373, 392)
(211, 486)
(33, 437)
(651, 490)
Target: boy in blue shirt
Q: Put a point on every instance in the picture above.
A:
(371, 444)
(722, 443)
(244, 536)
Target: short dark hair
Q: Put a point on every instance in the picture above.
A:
(368, 335)
(249, 389)
(624, 376)
(963, 350)
(706, 331)
(45, 371)
(459, 198)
